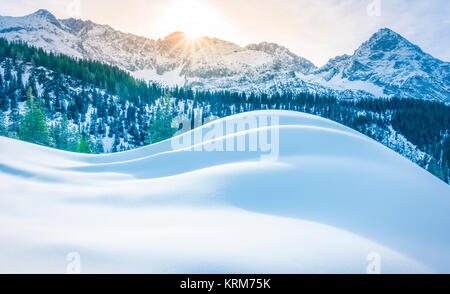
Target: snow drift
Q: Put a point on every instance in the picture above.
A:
(328, 201)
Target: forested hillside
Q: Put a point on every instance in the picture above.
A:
(87, 106)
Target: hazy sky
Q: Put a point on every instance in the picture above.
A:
(315, 29)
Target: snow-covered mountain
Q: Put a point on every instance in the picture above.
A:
(386, 65)
(330, 199)
(205, 58)
(393, 64)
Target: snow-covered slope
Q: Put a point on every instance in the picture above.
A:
(327, 201)
(386, 65)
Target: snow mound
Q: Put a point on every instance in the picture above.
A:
(324, 199)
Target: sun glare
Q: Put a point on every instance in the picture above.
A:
(193, 17)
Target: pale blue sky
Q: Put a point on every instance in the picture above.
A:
(315, 29)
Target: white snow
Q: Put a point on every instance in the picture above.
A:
(341, 84)
(331, 198)
(170, 78)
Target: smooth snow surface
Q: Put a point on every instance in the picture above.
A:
(331, 198)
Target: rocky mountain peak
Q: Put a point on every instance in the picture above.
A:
(43, 13)
(46, 15)
(176, 36)
(386, 40)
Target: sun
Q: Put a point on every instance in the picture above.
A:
(193, 17)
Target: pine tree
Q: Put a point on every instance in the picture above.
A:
(63, 136)
(160, 128)
(432, 166)
(83, 145)
(4, 99)
(98, 148)
(3, 129)
(445, 171)
(116, 143)
(33, 128)
(14, 123)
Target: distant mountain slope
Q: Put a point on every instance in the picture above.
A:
(330, 193)
(386, 65)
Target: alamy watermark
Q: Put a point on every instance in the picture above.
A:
(374, 8)
(374, 266)
(73, 263)
(245, 133)
(73, 9)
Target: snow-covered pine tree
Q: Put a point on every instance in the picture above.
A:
(160, 127)
(64, 137)
(3, 130)
(33, 127)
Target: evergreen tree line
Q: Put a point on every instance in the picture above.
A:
(86, 103)
(111, 78)
(32, 127)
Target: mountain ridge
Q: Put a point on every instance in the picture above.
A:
(386, 65)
